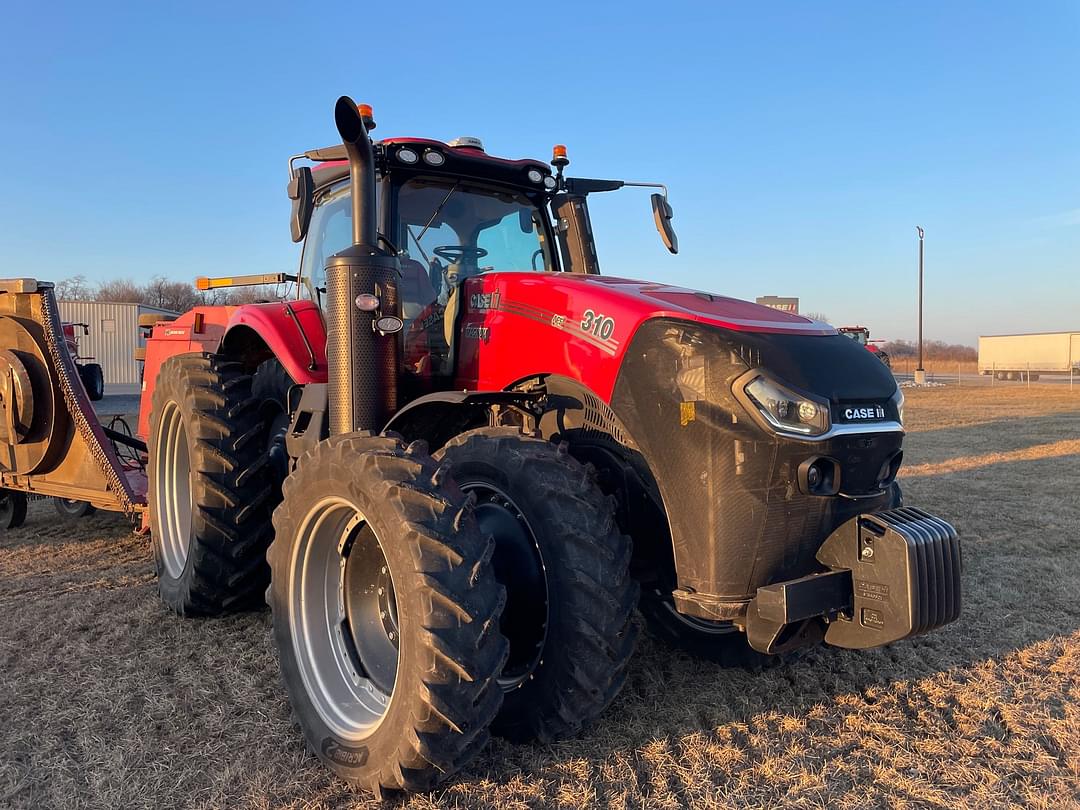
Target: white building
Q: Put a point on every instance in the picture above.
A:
(114, 336)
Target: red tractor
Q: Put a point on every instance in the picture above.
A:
(460, 458)
(93, 379)
(861, 335)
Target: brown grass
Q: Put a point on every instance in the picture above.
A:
(106, 700)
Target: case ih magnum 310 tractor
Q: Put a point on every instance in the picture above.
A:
(458, 459)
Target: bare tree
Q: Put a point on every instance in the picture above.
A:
(120, 290)
(255, 294)
(817, 316)
(76, 288)
(179, 296)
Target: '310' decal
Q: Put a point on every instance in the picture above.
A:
(597, 324)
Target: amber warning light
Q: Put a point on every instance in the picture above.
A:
(367, 114)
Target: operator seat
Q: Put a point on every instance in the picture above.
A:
(414, 289)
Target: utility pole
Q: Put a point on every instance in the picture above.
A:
(920, 372)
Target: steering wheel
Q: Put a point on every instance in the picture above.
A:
(455, 254)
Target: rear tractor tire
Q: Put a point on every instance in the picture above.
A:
(386, 613)
(566, 568)
(270, 386)
(208, 487)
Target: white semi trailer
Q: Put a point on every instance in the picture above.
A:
(1014, 357)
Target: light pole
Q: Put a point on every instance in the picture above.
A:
(920, 373)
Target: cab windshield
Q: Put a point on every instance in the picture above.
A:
(456, 230)
(446, 231)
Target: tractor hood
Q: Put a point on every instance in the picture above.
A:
(665, 300)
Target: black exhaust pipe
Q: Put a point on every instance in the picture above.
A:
(350, 125)
(362, 363)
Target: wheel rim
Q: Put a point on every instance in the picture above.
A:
(343, 612)
(172, 490)
(519, 566)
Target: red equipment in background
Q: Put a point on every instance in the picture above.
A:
(861, 335)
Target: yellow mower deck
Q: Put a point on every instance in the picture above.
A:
(51, 442)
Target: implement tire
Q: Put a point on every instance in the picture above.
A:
(12, 508)
(70, 509)
(93, 380)
(566, 568)
(208, 487)
(386, 613)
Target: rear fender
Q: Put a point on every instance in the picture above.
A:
(291, 331)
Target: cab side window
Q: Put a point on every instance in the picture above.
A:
(330, 232)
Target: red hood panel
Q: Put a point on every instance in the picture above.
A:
(720, 310)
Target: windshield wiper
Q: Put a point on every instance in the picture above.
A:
(435, 213)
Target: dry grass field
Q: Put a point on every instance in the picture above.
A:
(108, 701)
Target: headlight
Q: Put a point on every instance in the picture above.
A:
(900, 405)
(785, 410)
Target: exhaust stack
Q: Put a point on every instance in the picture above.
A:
(362, 363)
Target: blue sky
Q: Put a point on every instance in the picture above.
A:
(802, 142)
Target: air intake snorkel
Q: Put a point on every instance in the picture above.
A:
(362, 308)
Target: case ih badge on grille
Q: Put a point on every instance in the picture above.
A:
(420, 408)
(864, 413)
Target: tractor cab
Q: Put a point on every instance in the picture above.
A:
(860, 334)
(449, 213)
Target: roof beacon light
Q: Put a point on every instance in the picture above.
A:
(367, 114)
(558, 156)
(466, 142)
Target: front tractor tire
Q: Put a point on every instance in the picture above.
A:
(566, 568)
(208, 487)
(719, 642)
(386, 613)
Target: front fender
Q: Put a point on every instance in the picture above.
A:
(292, 331)
(436, 418)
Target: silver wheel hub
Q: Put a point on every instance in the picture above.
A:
(343, 615)
(172, 490)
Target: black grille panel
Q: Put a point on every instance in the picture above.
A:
(737, 515)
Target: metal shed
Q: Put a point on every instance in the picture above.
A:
(114, 336)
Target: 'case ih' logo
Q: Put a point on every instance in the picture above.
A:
(861, 414)
(484, 301)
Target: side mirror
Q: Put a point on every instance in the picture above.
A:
(662, 215)
(302, 194)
